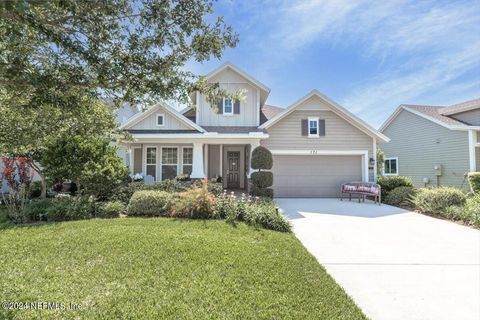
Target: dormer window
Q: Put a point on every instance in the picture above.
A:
(160, 120)
(227, 106)
(313, 127)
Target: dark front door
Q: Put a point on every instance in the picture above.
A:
(233, 169)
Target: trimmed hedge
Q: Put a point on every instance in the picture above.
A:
(401, 196)
(469, 214)
(151, 203)
(111, 209)
(262, 158)
(262, 179)
(388, 183)
(474, 180)
(259, 192)
(437, 200)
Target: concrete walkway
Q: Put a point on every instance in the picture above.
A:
(395, 264)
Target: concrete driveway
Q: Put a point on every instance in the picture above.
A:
(395, 264)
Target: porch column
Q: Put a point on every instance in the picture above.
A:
(472, 141)
(130, 159)
(253, 145)
(197, 166)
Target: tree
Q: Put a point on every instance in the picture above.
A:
(262, 180)
(127, 50)
(380, 161)
(88, 161)
(29, 131)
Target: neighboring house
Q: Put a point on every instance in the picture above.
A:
(316, 144)
(434, 145)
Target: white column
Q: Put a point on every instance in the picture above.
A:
(375, 173)
(472, 140)
(197, 166)
(253, 145)
(130, 152)
(365, 163)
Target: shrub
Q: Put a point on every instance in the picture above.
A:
(388, 183)
(124, 192)
(214, 187)
(261, 158)
(35, 189)
(400, 196)
(150, 203)
(36, 210)
(71, 208)
(183, 177)
(437, 200)
(265, 215)
(196, 203)
(258, 192)
(111, 209)
(262, 179)
(474, 180)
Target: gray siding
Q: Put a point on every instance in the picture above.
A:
(471, 117)
(214, 161)
(477, 157)
(420, 144)
(171, 123)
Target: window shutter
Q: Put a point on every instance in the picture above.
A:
(236, 107)
(304, 127)
(220, 106)
(321, 127)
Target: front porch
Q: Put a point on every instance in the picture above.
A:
(161, 160)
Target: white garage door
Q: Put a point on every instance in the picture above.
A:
(306, 176)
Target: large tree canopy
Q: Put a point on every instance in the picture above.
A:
(129, 50)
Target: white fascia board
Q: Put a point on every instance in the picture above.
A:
(313, 152)
(441, 123)
(391, 118)
(207, 135)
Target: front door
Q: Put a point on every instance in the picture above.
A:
(233, 169)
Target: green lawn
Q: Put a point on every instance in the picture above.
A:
(165, 268)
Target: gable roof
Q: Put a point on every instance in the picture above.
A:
(161, 105)
(336, 108)
(461, 107)
(436, 114)
(267, 112)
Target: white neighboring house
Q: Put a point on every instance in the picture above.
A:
(435, 145)
(316, 144)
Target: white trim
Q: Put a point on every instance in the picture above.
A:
(240, 72)
(223, 107)
(197, 107)
(221, 161)
(209, 135)
(163, 120)
(472, 141)
(161, 159)
(313, 152)
(335, 108)
(310, 135)
(397, 166)
(258, 107)
(375, 170)
(157, 159)
(181, 158)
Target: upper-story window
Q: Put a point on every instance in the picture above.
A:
(390, 167)
(160, 120)
(227, 106)
(313, 127)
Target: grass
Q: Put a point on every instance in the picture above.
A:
(165, 268)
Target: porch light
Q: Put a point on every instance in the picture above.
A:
(372, 161)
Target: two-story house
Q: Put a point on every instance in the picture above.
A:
(316, 144)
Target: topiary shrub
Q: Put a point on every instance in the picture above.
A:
(437, 200)
(474, 180)
(262, 158)
(388, 183)
(258, 192)
(150, 203)
(262, 179)
(401, 196)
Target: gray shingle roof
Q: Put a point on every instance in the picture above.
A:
(462, 107)
(267, 112)
(435, 112)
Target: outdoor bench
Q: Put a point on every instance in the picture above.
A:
(363, 189)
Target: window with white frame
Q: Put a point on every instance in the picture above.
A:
(313, 127)
(169, 163)
(187, 161)
(227, 106)
(390, 167)
(160, 120)
(151, 162)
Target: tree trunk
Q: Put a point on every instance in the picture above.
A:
(37, 169)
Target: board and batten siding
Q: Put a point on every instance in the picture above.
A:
(249, 112)
(170, 122)
(421, 144)
(471, 117)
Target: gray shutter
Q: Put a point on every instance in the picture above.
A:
(321, 127)
(304, 127)
(236, 107)
(220, 106)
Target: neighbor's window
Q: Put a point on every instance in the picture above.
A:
(313, 127)
(227, 106)
(390, 167)
(169, 163)
(160, 120)
(151, 162)
(187, 161)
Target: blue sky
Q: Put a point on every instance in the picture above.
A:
(369, 56)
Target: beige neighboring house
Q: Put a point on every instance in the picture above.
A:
(435, 145)
(316, 144)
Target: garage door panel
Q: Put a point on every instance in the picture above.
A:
(314, 176)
